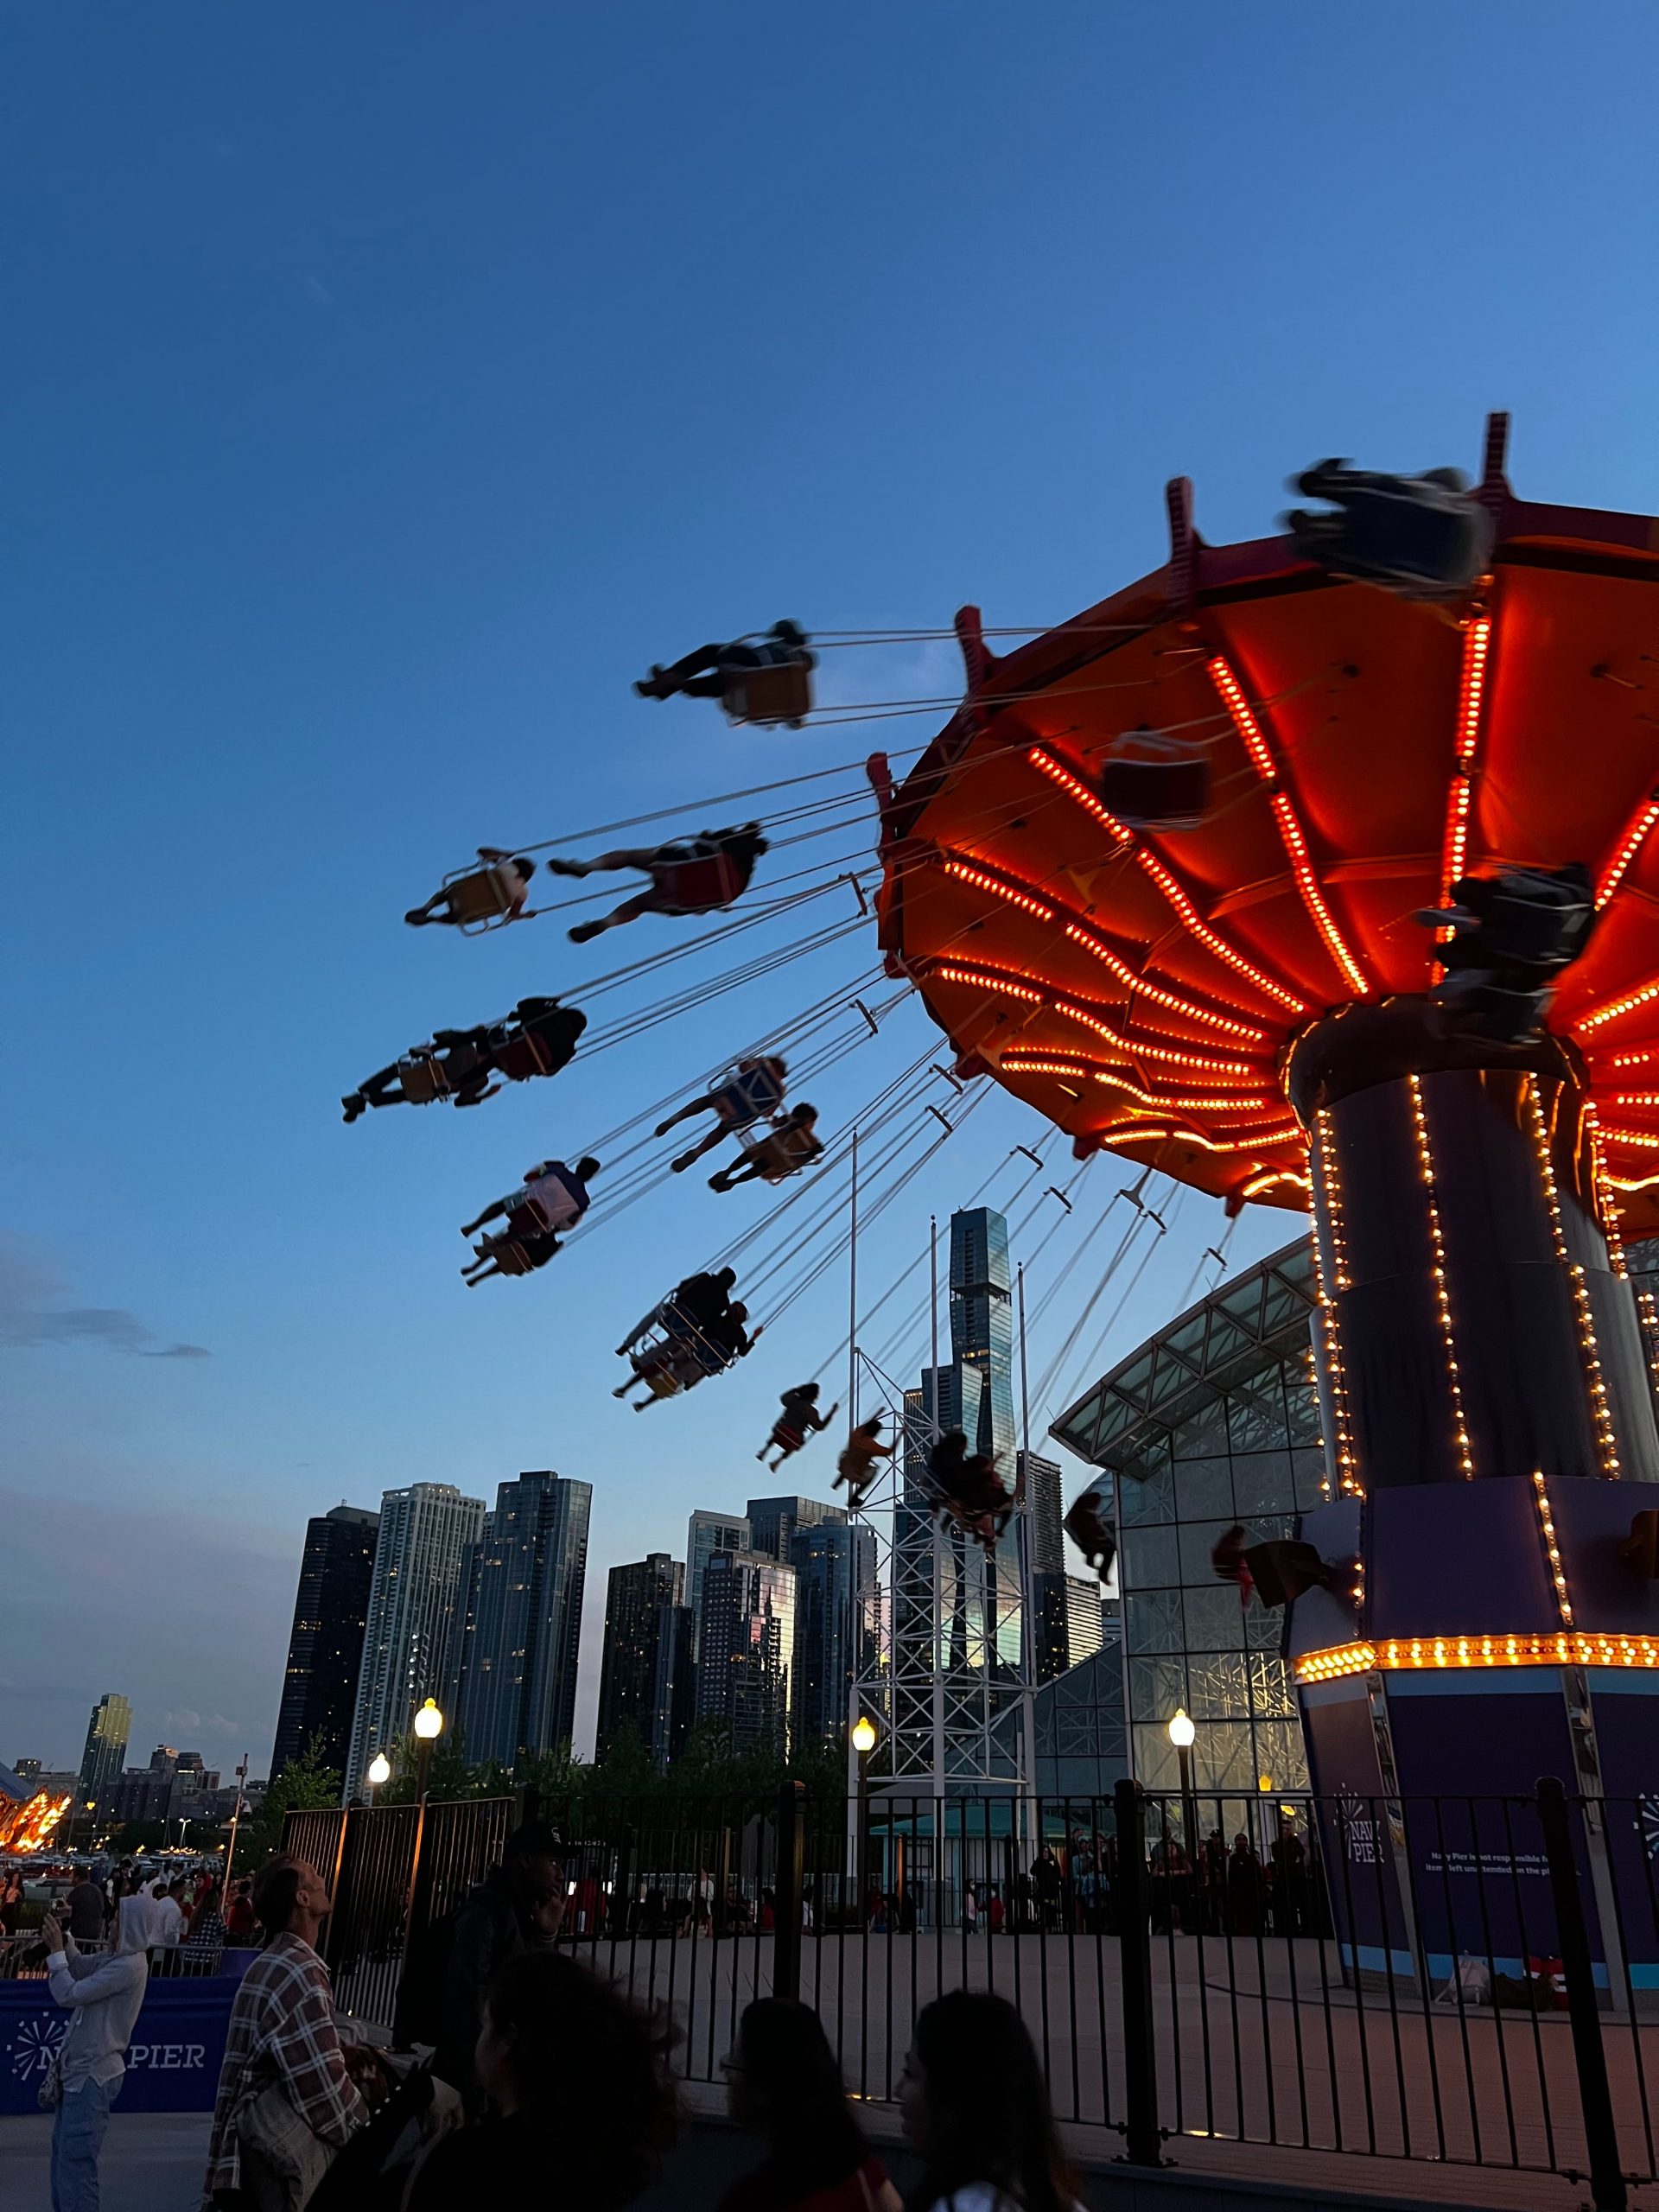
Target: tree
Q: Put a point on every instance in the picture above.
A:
(305, 1784)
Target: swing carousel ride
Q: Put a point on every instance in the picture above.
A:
(1202, 877)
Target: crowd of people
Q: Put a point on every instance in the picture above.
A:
(540, 2076)
(514, 2067)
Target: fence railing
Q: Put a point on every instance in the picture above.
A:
(1469, 1980)
(22, 1957)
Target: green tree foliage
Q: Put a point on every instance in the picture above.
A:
(303, 1785)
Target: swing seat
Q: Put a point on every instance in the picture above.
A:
(423, 1078)
(521, 1058)
(482, 899)
(509, 1254)
(1153, 781)
(766, 697)
(782, 1155)
(525, 1217)
(662, 1383)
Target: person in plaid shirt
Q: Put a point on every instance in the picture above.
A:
(283, 2034)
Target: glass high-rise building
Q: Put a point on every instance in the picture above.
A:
(640, 1601)
(836, 1602)
(705, 1534)
(414, 1596)
(325, 1645)
(674, 1684)
(1213, 1421)
(1042, 1480)
(745, 1648)
(515, 1669)
(957, 1655)
(105, 1750)
(773, 1521)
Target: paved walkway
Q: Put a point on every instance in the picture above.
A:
(1259, 2055)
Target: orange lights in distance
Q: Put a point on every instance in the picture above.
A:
(1570, 1647)
(27, 1827)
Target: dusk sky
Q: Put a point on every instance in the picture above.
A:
(386, 386)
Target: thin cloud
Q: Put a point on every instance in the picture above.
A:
(27, 1284)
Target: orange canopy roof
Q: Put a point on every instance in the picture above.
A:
(1140, 987)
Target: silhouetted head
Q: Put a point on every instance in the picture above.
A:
(975, 2105)
(783, 2084)
(587, 1169)
(727, 1277)
(584, 2071)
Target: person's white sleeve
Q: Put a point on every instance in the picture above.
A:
(109, 1978)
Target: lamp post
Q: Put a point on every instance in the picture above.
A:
(863, 1744)
(1181, 1733)
(428, 1726)
(379, 1771)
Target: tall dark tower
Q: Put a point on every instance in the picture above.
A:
(325, 1645)
(517, 1691)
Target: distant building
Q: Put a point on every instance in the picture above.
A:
(174, 1786)
(106, 1751)
(835, 1622)
(1042, 1480)
(958, 1628)
(325, 1645)
(1214, 1419)
(636, 1598)
(674, 1684)
(516, 1680)
(1070, 1622)
(706, 1533)
(773, 1521)
(745, 1648)
(407, 1642)
(27, 1769)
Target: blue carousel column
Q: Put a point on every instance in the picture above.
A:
(1489, 1420)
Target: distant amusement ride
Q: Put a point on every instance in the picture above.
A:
(1318, 872)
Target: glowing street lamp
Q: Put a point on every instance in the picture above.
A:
(428, 1726)
(1182, 1735)
(379, 1772)
(863, 1744)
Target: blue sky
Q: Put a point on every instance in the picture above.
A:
(384, 386)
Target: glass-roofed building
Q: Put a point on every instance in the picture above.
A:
(1213, 1421)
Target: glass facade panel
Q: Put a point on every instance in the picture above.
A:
(1262, 1481)
(1154, 1622)
(1151, 1558)
(1256, 1415)
(1230, 1431)
(1215, 1620)
(1158, 1686)
(1202, 1433)
(1151, 1499)
(1202, 1488)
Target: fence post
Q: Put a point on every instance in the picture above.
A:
(786, 1911)
(1589, 2053)
(1142, 2142)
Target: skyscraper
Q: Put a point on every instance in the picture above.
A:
(1042, 1479)
(516, 1692)
(745, 1648)
(773, 1521)
(706, 1533)
(674, 1684)
(638, 1598)
(325, 1645)
(958, 1613)
(835, 1622)
(105, 1750)
(413, 1593)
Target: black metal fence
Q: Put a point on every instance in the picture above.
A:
(1466, 1980)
